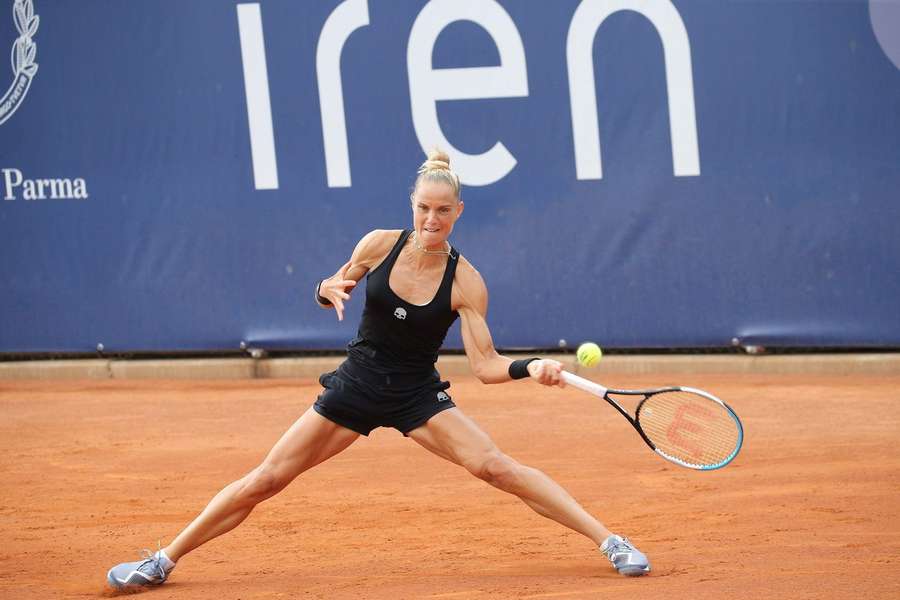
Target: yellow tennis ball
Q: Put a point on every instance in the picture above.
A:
(589, 354)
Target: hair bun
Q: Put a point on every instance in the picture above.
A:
(439, 156)
(437, 169)
(438, 160)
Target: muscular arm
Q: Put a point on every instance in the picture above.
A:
(369, 251)
(471, 301)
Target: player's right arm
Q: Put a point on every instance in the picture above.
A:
(369, 252)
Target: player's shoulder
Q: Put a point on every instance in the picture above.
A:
(377, 243)
(377, 236)
(467, 274)
(469, 289)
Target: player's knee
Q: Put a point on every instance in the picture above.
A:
(498, 470)
(261, 483)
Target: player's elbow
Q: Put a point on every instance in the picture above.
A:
(480, 370)
(487, 378)
(486, 371)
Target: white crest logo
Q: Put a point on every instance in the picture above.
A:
(443, 397)
(22, 57)
(400, 313)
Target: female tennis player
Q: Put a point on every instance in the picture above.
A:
(416, 287)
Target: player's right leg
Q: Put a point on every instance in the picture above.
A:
(311, 440)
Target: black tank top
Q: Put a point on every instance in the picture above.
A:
(396, 336)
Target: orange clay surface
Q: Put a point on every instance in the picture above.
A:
(94, 471)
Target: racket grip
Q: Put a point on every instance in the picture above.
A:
(584, 384)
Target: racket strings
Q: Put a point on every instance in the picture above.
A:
(690, 427)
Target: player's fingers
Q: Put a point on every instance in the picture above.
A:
(545, 373)
(348, 284)
(553, 374)
(339, 309)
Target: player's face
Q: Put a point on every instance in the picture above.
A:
(435, 209)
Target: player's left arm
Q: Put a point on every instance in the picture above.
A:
(470, 300)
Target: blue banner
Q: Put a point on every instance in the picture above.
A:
(176, 176)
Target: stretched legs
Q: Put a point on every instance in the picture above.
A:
(311, 440)
(455, 437)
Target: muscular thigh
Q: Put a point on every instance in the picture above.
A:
(456, 437)
(309, 441)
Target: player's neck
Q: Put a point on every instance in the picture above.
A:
(440, 249)
(422, 261)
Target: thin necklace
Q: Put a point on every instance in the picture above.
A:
(424, 250)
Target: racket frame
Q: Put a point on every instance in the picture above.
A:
(596, 389)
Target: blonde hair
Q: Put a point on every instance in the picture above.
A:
(436, 168)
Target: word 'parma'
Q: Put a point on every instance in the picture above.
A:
(42, 189)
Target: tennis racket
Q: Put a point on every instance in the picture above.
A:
(686, 426)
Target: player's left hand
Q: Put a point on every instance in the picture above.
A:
(547, 372)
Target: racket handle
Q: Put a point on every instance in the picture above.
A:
(584, 384)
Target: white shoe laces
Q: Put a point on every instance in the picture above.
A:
(151, 565)
(618, 546)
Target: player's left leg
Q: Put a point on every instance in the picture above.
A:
(455, 437)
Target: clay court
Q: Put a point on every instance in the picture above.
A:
(93, 471)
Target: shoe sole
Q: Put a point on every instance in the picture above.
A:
(634, 572)
(119, 586)
(112, 581)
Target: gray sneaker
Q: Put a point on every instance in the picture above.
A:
(627, 559)
(152, 570)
